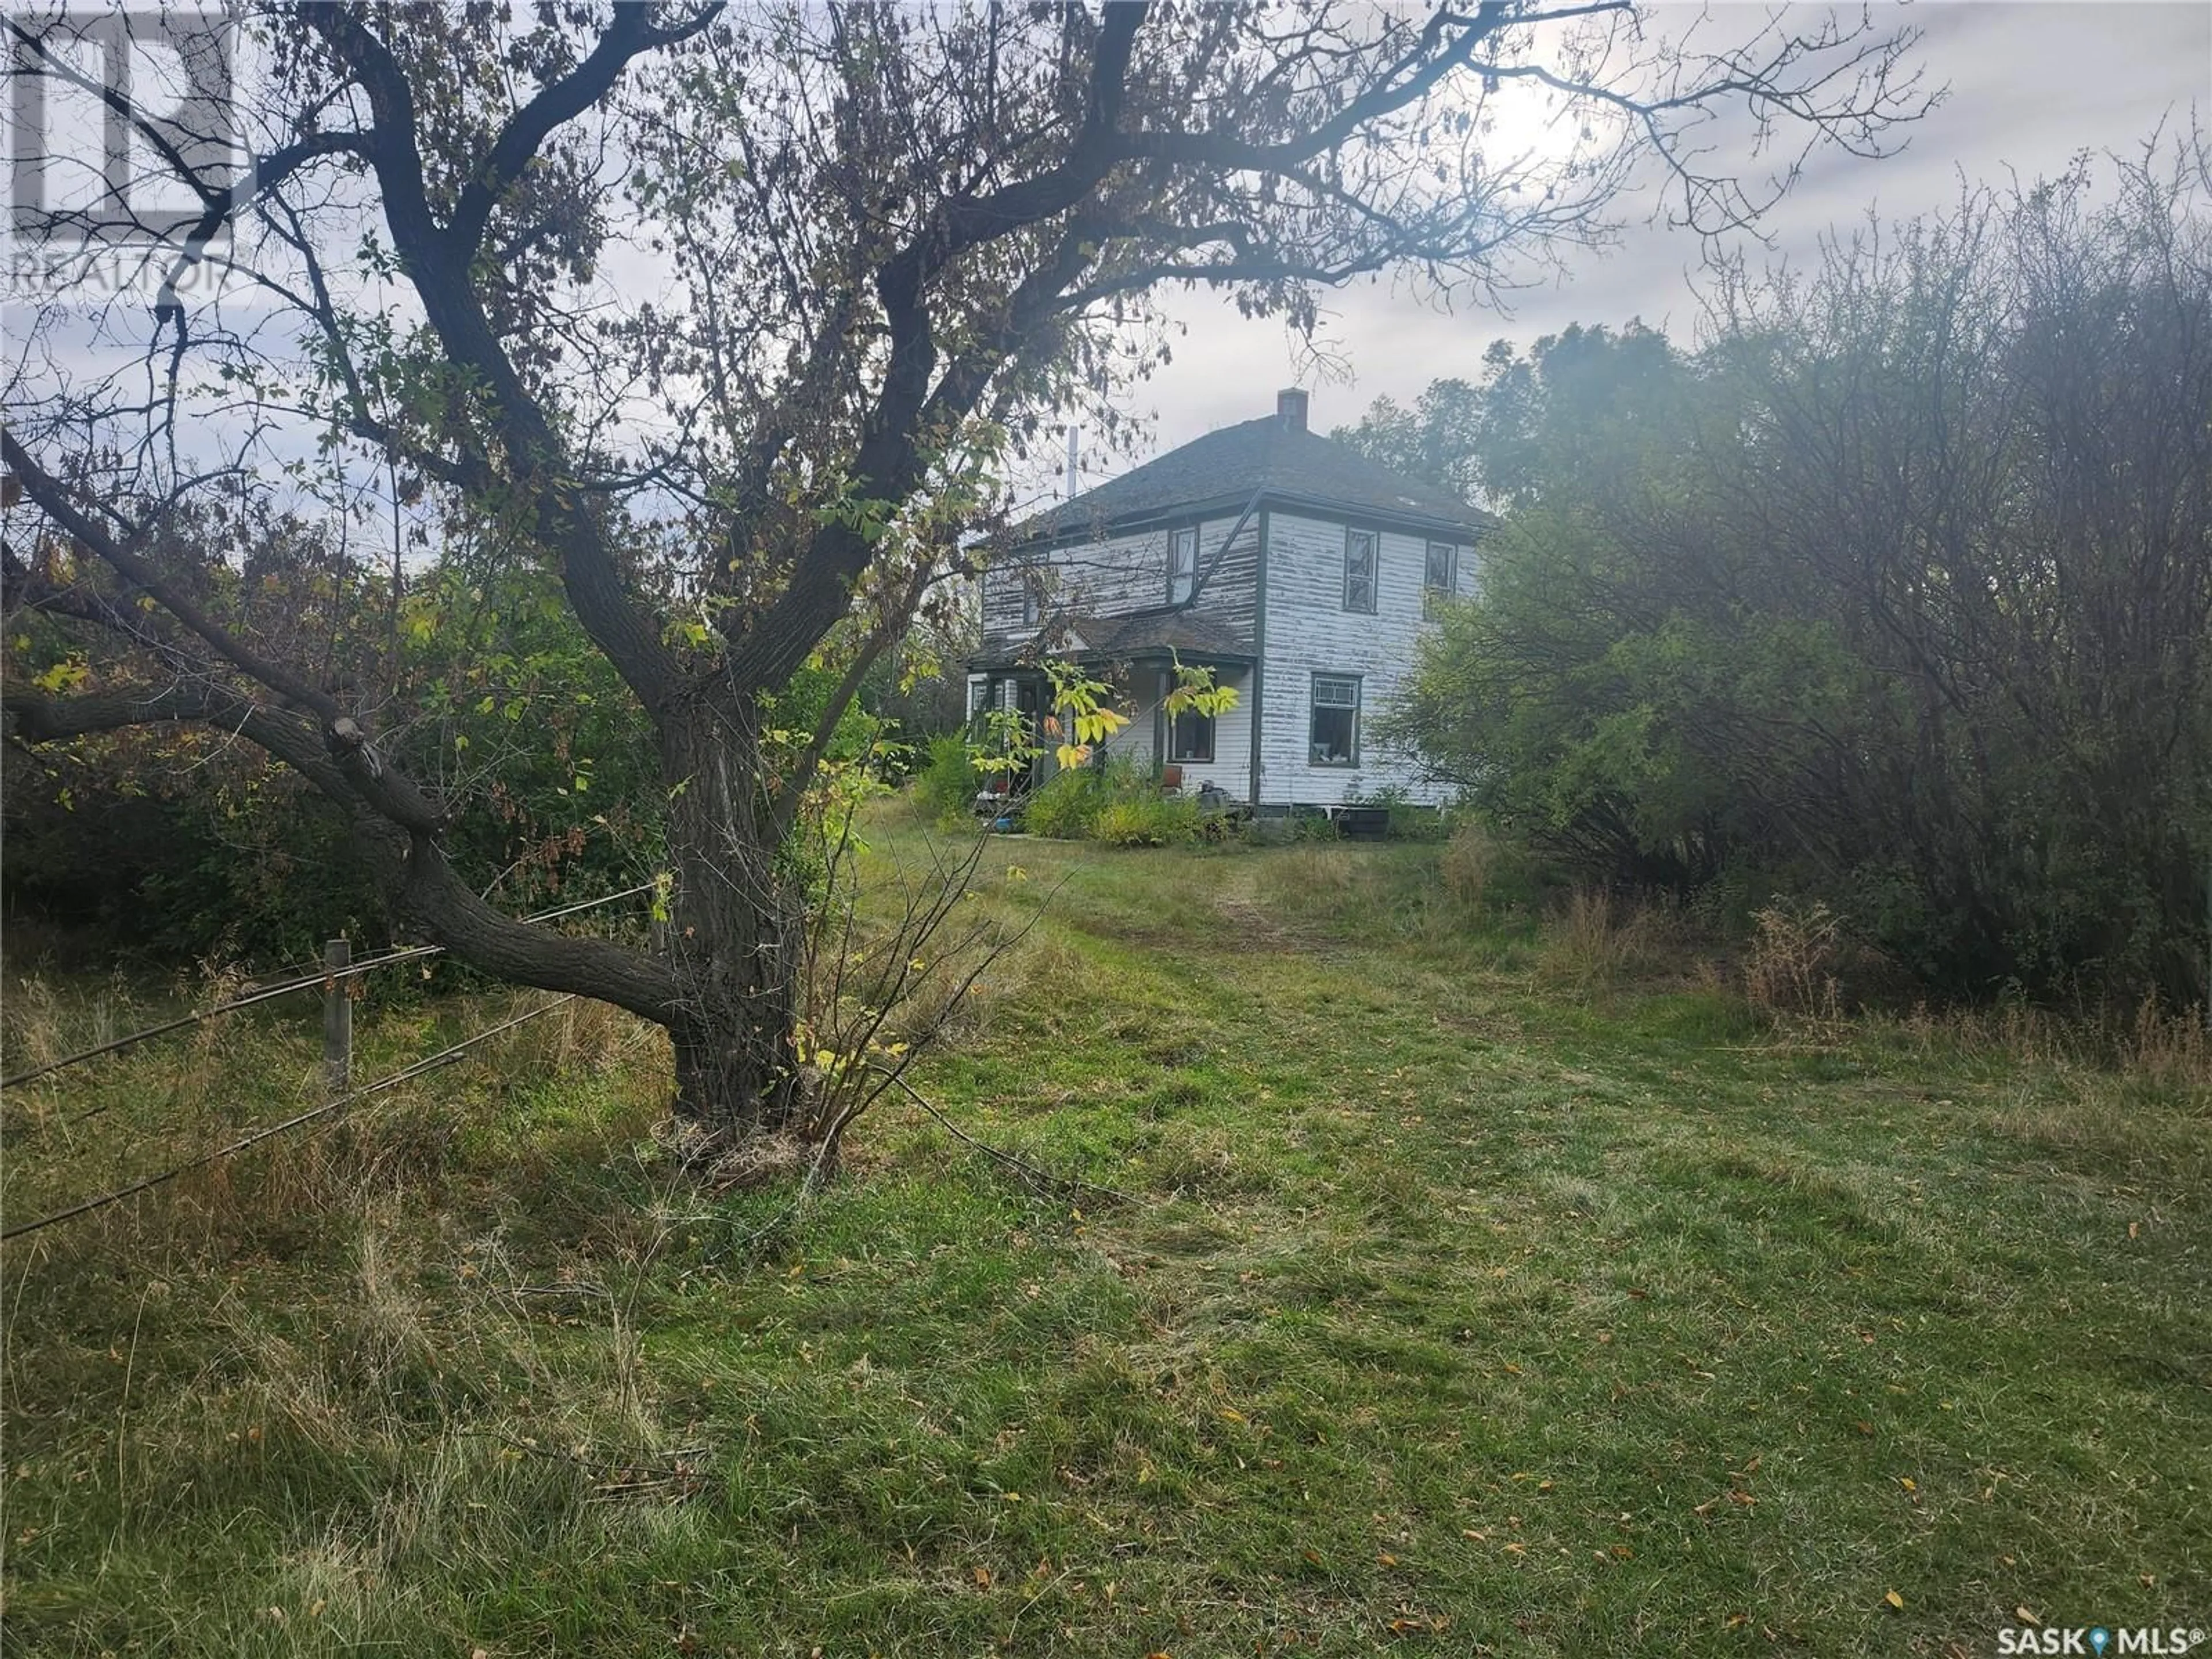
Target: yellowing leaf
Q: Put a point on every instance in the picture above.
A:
(1894, 1601)
(64, 676)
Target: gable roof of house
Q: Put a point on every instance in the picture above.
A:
(1275, 455)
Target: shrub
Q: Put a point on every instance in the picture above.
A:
(1067, 807)
(948, 783)
(1146, 822)
(1791, 969)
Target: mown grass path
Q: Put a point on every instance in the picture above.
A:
(1458, 1306)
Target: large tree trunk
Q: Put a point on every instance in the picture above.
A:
(734, 936)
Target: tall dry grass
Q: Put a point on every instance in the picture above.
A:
(1467, 864)
(1598, 941)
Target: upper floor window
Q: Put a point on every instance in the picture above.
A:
(1032, 599)
(1182, 564)
(1360, 571)
(1441, 574)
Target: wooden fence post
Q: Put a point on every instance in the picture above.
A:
(337, 1016)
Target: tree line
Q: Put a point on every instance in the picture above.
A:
(1894, 592)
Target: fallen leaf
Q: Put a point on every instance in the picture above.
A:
(2134, 1230)
(1895, 1601)
(982, 1577)
(2026, 1615)
(1906, 1481)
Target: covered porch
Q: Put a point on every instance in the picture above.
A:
(1138, 657)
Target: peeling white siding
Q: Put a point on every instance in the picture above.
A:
(1118, 574)
(1145, 737)
(1309, 632)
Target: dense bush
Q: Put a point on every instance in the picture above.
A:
(1896, 598)
(1066, 806)
(181, 843)
(1147, 821)
(948, 782)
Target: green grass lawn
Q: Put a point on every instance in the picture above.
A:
(1463, 1297)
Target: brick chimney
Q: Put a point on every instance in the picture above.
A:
(1291, 408)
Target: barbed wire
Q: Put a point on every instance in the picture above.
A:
(304, 981)
(429, 1063)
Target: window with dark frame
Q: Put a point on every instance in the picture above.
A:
(1190, 737)
(1182, 564)
(1442, 573)
(1360, 571)
(1334, 734)
(1032, 599)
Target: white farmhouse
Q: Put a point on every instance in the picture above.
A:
(1298, 570)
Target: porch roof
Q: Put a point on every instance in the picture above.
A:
(1162, 632)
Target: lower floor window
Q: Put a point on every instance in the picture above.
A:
(1336, 733)
(1191, 738)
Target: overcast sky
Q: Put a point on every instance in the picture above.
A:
(2030, 86)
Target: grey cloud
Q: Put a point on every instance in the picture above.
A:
(2030, 85)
